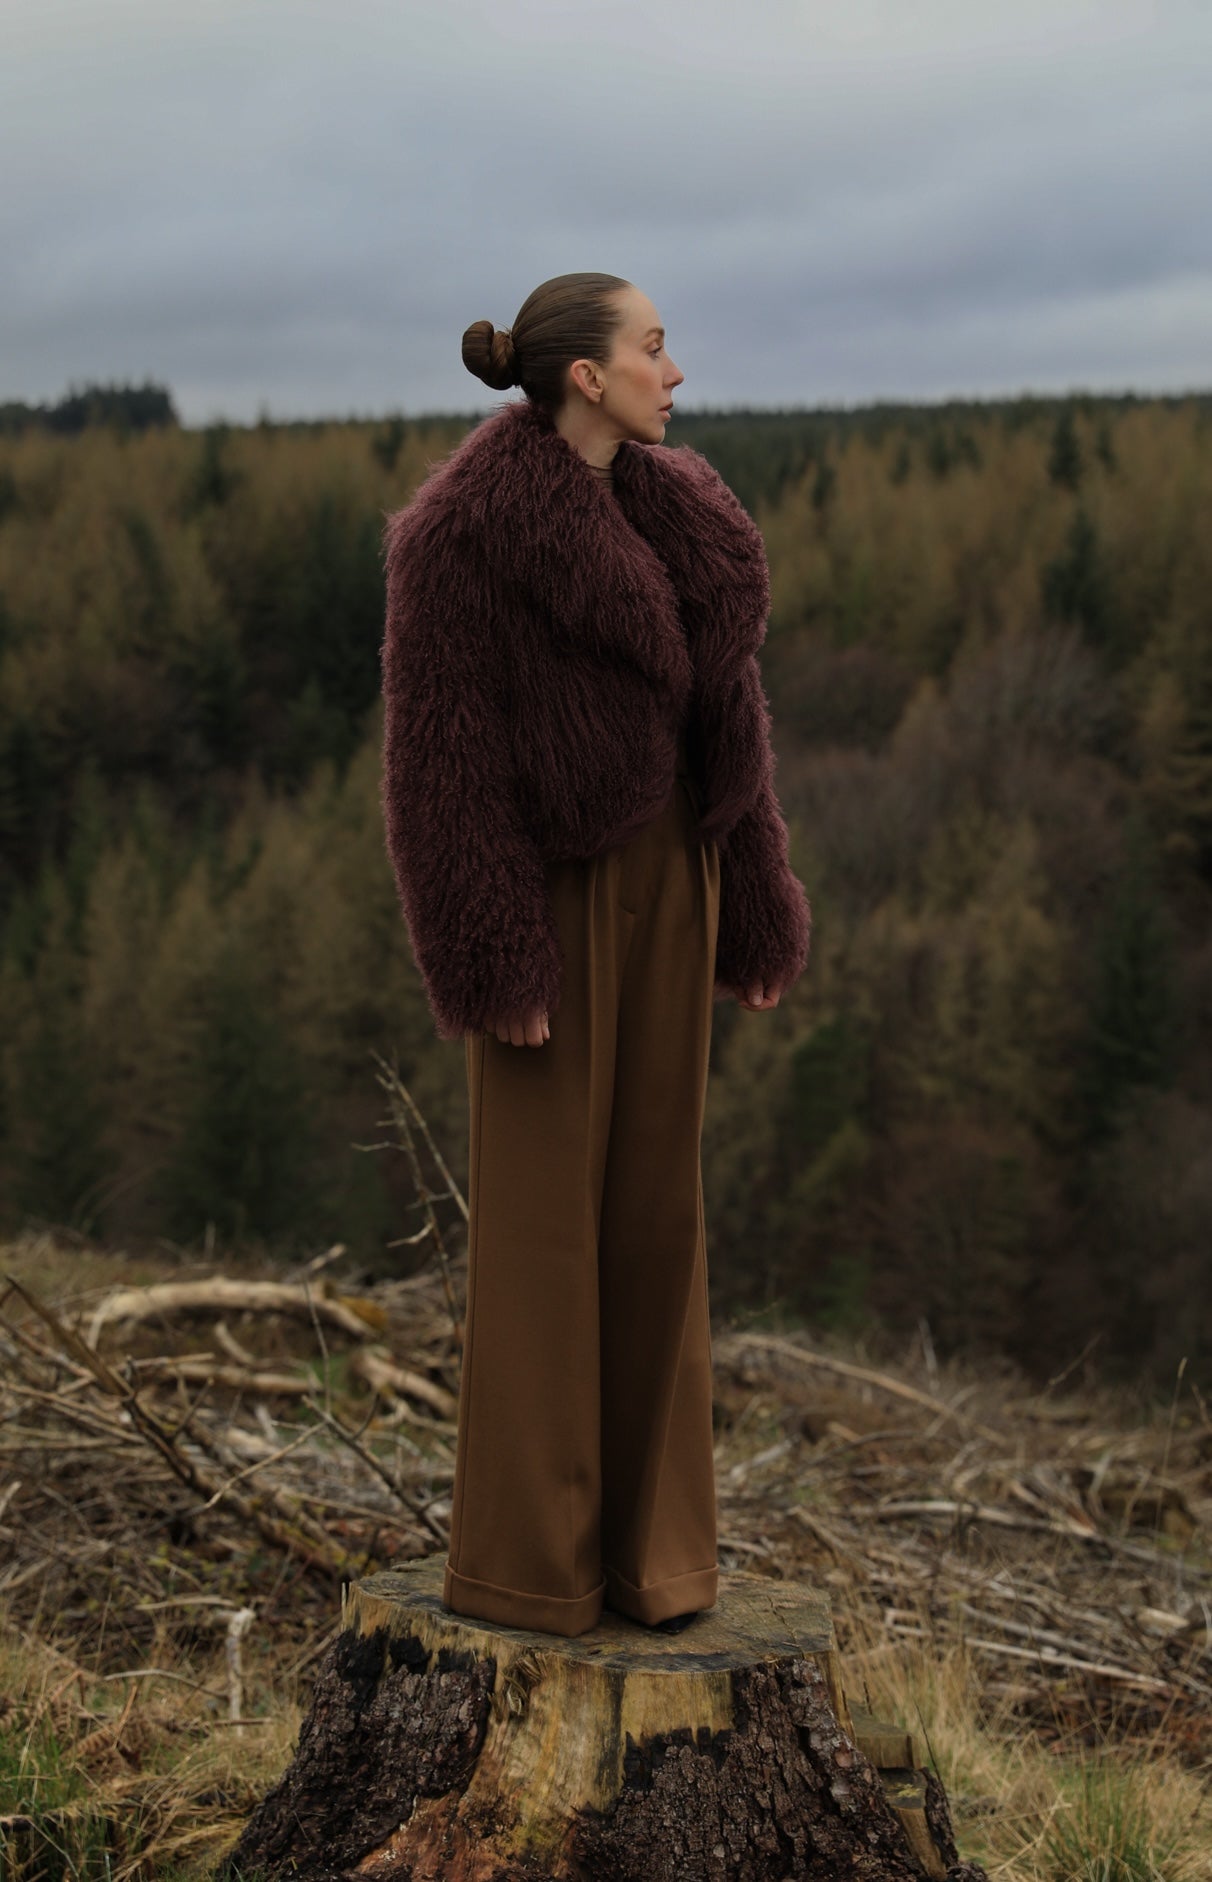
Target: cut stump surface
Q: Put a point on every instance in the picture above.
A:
(439, 1747)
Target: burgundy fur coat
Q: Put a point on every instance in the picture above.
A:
(544, 640)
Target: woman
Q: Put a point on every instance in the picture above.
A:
(579, 808)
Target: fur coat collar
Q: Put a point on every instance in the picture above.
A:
(569, 632)
(667, 576)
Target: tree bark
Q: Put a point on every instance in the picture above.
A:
(439, 1747)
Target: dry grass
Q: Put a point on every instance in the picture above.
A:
(1032, 1808)
(1020, 1575)
(128, 1778)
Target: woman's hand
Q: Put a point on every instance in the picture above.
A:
(522, 1029)
(757, 998)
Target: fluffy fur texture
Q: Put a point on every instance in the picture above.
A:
(544, 641)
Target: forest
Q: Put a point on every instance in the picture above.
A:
(985, 1111)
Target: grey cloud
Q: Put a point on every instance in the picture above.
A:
(304, 206)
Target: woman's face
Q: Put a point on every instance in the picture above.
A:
(639, 377)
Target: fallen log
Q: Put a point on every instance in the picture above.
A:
(442, 1747)
(363, 1320)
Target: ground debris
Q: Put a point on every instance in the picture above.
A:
(190, 1466)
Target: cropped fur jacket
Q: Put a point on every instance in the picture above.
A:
(545, 639)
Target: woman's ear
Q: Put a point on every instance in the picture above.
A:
(585, 376)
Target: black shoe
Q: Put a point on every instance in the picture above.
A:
(674, 1623)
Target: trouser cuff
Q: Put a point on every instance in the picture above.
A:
(545, 1614)
(678, 1594)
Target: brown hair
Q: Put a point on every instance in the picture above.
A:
(572, 316)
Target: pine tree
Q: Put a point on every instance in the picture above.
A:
(244, 1160)
(1077, 587)
(55, 1118)
(1104, 446)
(1133, 1037)
(824, 485)
(1065, 457)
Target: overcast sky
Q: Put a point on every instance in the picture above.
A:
(296, 206)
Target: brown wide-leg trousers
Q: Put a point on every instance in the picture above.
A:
(584, 1473)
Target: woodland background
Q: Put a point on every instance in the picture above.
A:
(986, 1109)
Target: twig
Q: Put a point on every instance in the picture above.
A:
(984, 1513)
(249, 1470)
(405, 1114)
(163, 1672)
(354, 1443)
(1049, 1656)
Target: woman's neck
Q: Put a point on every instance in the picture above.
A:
(586, 431)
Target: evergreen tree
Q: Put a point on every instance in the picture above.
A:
(212, 479)
(1132, 1039)
(1065, 457)
(1104, 446)
(54, 1154)
(967, 450)
(386, 444)
(830, 1074)
(902, 463)
(1174, 741)
(1077, 587)
(29, 784)
(940, 459)
(244, 1159)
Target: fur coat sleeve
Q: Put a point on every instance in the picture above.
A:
(471, 879)
(765, 917)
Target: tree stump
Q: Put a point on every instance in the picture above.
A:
(443, 1749)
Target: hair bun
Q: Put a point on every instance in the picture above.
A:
(489, 353)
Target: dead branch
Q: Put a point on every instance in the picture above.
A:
(214, 1372)
(219, 1295)
(384, 1375)
(407, 1118)
(844, 1369)
(314, 1553)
